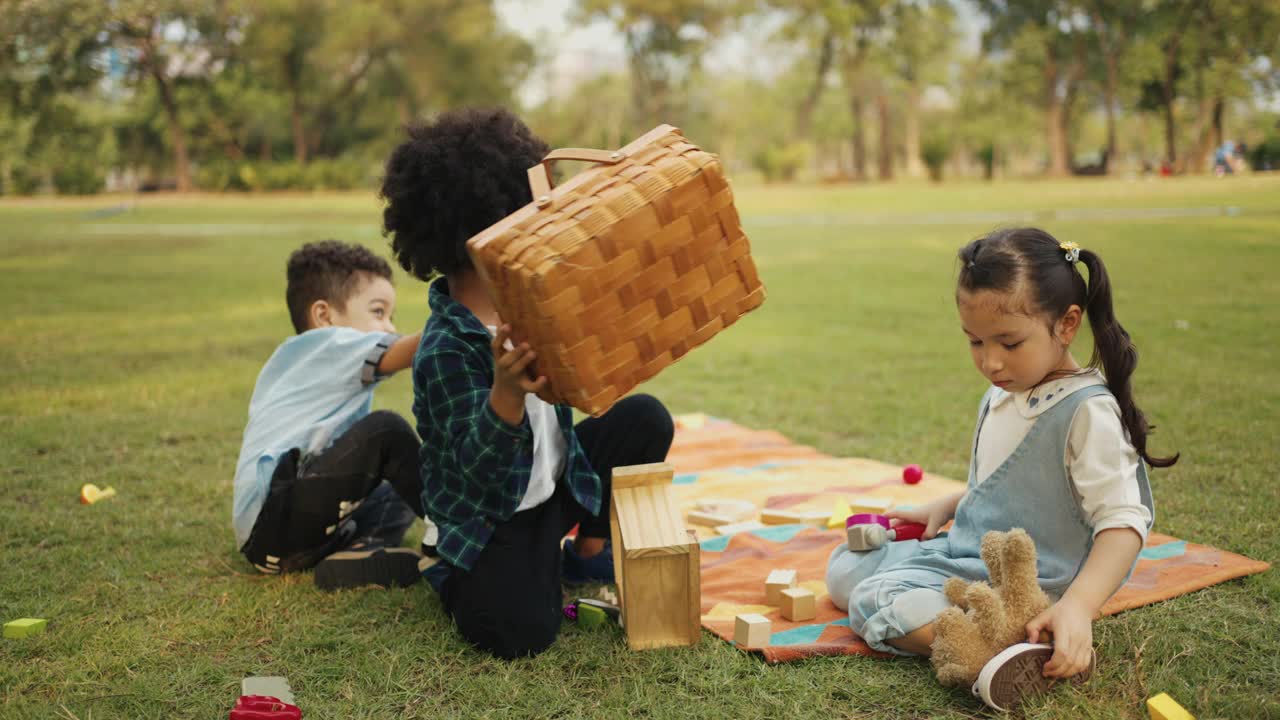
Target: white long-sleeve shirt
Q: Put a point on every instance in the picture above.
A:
(1099, 458)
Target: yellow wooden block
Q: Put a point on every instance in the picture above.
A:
(869, 504)
(839, 515)
(24, 627)
(793, 517)
(1163, 707)
(752, 631)
(709, 519)
(799, 604)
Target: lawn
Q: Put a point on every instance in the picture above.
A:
(130, 342)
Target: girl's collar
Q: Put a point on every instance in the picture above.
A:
(1031, 403)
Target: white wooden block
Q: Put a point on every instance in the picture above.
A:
(752, 630)
(699, 517)
(733, 508)
(778, 581)
(790, 517)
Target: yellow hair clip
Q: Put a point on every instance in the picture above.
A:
(1073, 251)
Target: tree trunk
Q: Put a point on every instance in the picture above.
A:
(804, 113)
(1218, 135)
(885, 165)
(1198, 161)
(911, 132)
(859, 139)
(177, 134)
(1109, 97)
(295, 124)
(1055, 125)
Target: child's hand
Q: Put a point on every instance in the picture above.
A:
(933, 515)
(1072, 628)
(511, 381)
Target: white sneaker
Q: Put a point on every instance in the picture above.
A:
(1017, 672)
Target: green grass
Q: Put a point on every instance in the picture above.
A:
(129, 346)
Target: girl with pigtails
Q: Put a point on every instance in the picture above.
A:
(1059, 450)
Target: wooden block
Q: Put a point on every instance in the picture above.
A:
(24, 627)
(792, 517)
(752, 630)
(698, 517)
(839, 515)
(869, 504)
(799, 604)
(272, 686)
(637, 475)
(778, 581)
(736, 528)
(1163, 707)
(734, 509)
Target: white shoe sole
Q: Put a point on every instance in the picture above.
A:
(1016, 672)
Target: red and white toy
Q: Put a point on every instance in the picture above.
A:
(869, 531)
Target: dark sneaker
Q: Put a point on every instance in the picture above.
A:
(598, 568)
(1017, 673)
(368, 565)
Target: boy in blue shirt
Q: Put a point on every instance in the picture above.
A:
(309, 488)
(505, 475)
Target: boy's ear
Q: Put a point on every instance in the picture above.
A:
(1069, 324)
(320, 314)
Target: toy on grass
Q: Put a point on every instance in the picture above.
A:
(273, 686)
(655, 560)
(90, 493)
(778, 581)
(1163, 707)
(799, 604)
(263, 707)
(869, 531)
(752, 630)
(24, 627)
(592, 613)
(912, 474)
(987, 618)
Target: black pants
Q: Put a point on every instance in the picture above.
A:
(509, 603)
(338, 496)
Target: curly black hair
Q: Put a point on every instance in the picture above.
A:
(327, 270)
(452, 178)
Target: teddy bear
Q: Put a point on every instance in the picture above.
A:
(987, 618)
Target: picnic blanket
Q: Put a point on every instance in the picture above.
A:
(718, 459)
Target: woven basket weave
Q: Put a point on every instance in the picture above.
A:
(620, 271)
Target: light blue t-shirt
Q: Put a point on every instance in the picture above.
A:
(315, 386)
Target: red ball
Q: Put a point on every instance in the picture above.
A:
(912, 474)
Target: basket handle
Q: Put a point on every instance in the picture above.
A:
(540, 174)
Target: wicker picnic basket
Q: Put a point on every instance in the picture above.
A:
(619, 272)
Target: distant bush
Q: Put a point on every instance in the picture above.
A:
(1266, 154)
(320, 174)
(78, 176)
(934, 150)
(781, 162)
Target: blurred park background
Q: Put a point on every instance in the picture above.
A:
(241, 95)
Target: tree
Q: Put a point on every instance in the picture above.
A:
(918, 50)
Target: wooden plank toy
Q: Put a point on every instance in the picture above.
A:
(869, 504)
(734, 509)
(799, 604)
(24, 627)
(778, 581)
(793, 517)
(752, 630)
(655, 560)
(736, 528)
(699, 517)
(1163, 707)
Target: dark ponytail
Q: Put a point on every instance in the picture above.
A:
(1030, 261)
(1115, 351)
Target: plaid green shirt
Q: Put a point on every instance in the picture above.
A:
(475, 467)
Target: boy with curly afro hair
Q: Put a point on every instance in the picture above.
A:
(505, 475)
(309, 485)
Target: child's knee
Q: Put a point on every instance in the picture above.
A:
(652, 418)
(845, 570)
(510, 630)
(392, 422)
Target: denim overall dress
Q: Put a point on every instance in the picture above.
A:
(896, 589)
